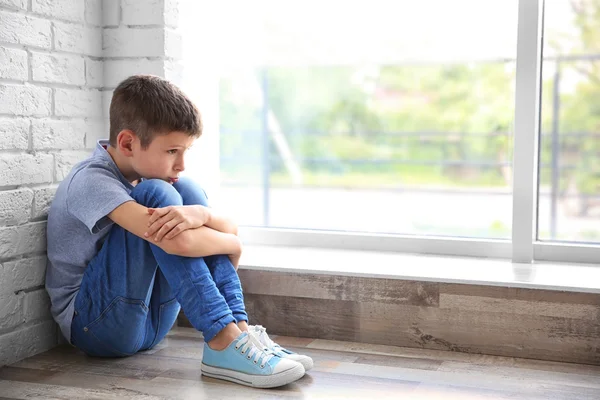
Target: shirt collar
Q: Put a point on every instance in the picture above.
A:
(102, 152)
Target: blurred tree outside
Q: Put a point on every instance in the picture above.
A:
(393, 125)
(403, 118)
(579, 108)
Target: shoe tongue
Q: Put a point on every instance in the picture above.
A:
(255, 340)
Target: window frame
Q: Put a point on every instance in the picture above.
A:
(522, 247)
(527, 125)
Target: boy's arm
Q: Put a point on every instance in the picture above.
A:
(196, 215)
(199, 242)
(221, 223)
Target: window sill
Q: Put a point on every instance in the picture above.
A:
(569, 277)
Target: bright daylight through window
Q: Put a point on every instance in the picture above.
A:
(371, 116)
(380, 117)
(569, 189)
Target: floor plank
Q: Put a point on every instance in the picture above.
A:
(343, 370)
(28, 390)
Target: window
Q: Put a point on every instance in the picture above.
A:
(371, 116)
(569, 185)
(402, 126)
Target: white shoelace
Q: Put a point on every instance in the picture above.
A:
(264, 338)
(251, 345)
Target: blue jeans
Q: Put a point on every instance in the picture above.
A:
(132, 290)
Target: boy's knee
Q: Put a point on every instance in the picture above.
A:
(156, 193)
(191, 192)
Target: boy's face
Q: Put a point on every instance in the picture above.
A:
(164, 158)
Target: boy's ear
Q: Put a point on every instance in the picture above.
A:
(125, 141)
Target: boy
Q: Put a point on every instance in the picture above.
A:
(130, 243)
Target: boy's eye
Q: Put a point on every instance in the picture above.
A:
(174, 151)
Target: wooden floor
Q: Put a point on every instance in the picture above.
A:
(343, 370)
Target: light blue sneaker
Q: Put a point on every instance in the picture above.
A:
(245, 362)
(265, 340)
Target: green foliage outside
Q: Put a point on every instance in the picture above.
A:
(406, 119)
(324, 116)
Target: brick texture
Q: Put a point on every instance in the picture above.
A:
(78, 39)
(59, 9)
(15, 206)
(25, 30)
(23, 239)
(15, 65)
(65, 161)
(14, 4)
(25, 169)
(117, 70)
(50, 134)
(58, 68)
(25, 100)
(59, 62)
(42, 198)
(77, 103)
(111, 12)
(29, 339)
(93, 12)
(22, 274)
(14, 133)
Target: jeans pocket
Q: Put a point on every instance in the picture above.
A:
(167, 315)
(120, 328)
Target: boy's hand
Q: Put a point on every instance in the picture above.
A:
(168, 222)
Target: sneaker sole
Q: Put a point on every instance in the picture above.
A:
(258, 381)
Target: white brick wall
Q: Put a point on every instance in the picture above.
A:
(26, 169)
(111, 13)
(25, 100)
(14, 4)
(52, 134)
(14, 133)
(59, 9)
(25, 30)
(15, 207)
(42, 198)
(58, 68)
(15, 66)
(117, 70)
(76, 38)
(93, 12)
(23, 274)
(65, 160)
(22, 239)
(47, 110)
(77, 103)
(94, 73)
(59, 63)
(28, 339)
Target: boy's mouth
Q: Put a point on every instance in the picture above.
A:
(173, 180)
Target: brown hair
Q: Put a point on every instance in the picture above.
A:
(150, 106)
